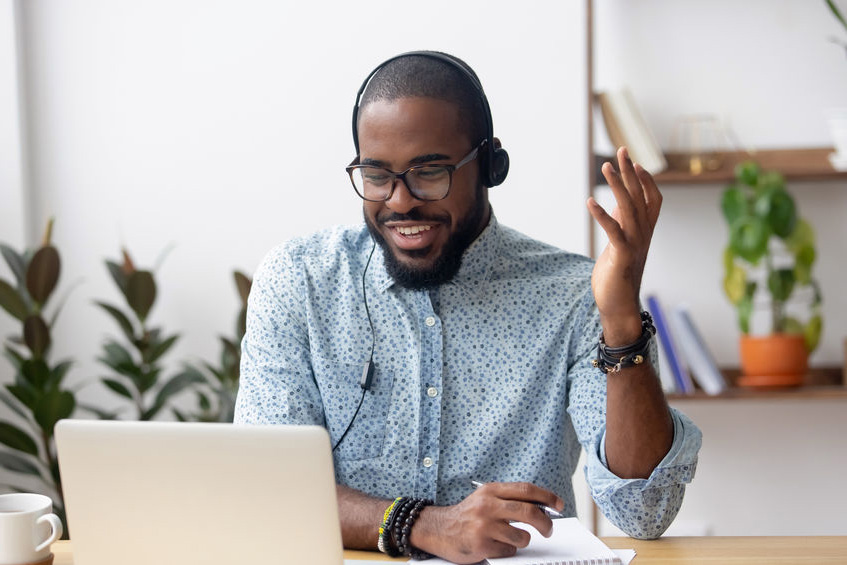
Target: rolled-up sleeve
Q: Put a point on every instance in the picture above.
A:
(643, 508)
(277, 384)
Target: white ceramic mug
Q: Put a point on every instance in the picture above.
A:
(27, 528)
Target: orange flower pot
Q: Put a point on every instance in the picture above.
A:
(776, 360)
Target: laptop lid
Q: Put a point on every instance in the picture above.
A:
(138, 493)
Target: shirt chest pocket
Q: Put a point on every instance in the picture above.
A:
(341, 393)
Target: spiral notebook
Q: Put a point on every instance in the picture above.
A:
(570, 544)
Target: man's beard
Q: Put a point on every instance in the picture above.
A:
(447, 264)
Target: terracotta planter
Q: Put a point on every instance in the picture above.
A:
(775, 360)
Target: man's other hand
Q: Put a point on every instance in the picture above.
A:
(478, 527)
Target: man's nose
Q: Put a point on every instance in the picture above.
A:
(402, 200)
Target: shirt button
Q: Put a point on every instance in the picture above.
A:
(427, 462)
(432, 392)
(430, 321)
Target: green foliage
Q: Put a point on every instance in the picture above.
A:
(37, 396)
(136, 359)
(763, 226)
(222, 379)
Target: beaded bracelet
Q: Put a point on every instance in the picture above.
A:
(613, 359)
(408, 549)
(384, 541)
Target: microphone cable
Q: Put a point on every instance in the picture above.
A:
(368, 370)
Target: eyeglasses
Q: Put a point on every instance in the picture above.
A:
(425, 182)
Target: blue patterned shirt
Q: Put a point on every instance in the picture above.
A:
(485, 378)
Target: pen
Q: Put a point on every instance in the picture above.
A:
(547, 510)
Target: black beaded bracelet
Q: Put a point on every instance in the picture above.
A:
(613, 359)
(406, 531)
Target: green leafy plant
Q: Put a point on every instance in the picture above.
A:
(137, 363)
(770, 248)
(37, 396)
(217, 403)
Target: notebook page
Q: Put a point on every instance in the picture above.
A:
(571, 542)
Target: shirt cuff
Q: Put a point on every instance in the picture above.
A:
(677, 467)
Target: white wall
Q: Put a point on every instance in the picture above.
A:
(171, 122)
(768, 70)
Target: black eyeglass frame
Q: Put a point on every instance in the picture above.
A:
(354, 166)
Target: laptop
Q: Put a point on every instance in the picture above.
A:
(139, 493)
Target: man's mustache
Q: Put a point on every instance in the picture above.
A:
(413, 215)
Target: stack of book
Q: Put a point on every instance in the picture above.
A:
(626, 126)
(684, 357)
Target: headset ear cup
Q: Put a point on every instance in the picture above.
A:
(499, 167)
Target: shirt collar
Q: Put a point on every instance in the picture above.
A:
(477, 262)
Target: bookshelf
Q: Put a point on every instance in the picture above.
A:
(796, 164)
(820, 383)
(811, 164)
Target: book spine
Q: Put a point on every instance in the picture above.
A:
(683, 380)
(700, 361)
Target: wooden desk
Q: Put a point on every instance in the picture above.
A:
(671, 550)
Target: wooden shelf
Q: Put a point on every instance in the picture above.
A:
(795, 164)
(820, 383)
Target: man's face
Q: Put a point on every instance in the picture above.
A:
(396, 135)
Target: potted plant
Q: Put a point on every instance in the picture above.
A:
(769, 261)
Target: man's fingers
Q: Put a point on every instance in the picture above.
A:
(651, 193)
(525, 492)
(632, 182)
(610, 226)
(510, 535)
(622, 196)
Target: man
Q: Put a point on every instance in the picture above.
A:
(440, 348)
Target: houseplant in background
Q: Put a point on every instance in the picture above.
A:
(217, 402)
(770, 254)
(37, 396)
(138, 372)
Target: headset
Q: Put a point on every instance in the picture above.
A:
(494, 161)
(493, 168)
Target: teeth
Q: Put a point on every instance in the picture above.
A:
(412, 230)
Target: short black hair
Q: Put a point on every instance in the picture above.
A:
(428, 77)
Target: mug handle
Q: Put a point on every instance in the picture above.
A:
(56, 524)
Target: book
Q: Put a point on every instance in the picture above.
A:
(701, 363)
(570, 544)
(684, 385)
(626, 126)
(665, 372)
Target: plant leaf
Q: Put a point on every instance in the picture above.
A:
(43, 273)
(747, 172)
(120, 318)
(16, 263)
(777, 208)
(36, 373)
(118, 387)
(241, 324)
(745, 309)
(141, 293)
(243, 284)
(14, 437)
(748, 238)
(10, 401)
(178, 383)
(781, 283)
(12, 302)
(36, 335)
(16, 358)
(23, 394)
(160, 348)
(836, 12)
(54, 406)
(734, 204)
(16, 463)
(812, 332)
(101, 414)
(63, 301)
(57, 374)
(118, 276)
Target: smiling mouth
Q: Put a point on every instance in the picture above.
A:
(411, 230)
